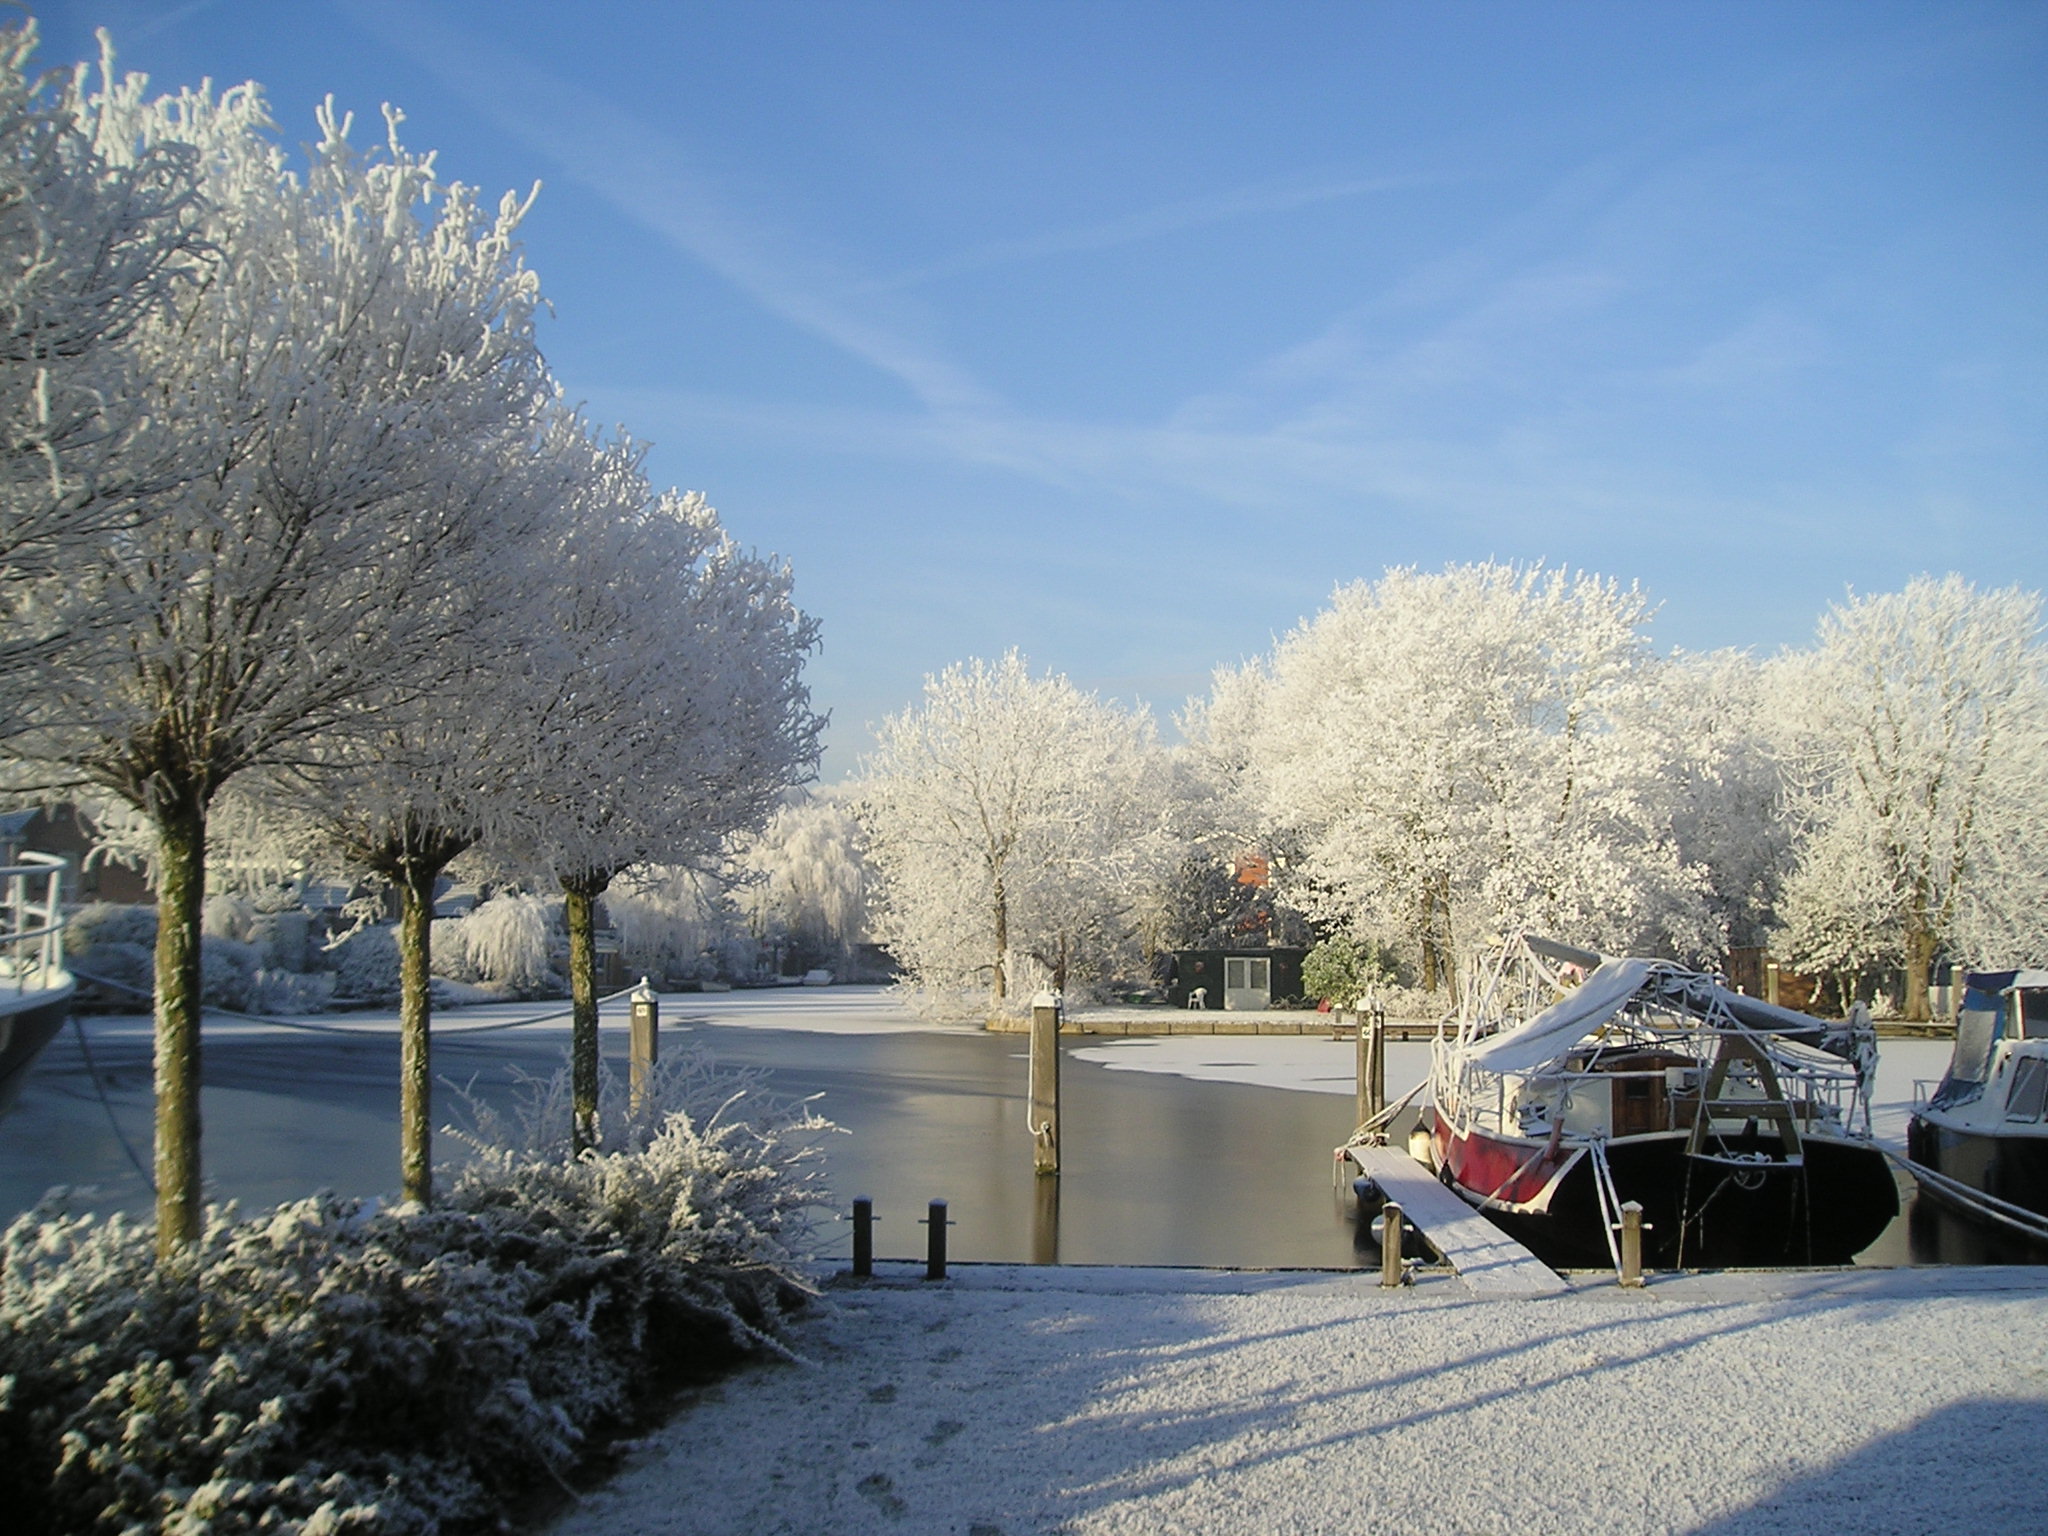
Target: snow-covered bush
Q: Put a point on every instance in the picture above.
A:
(106, 922)
(227, 972)
(228, 915)
(334, 1366)
(285, 937)
(280, 991)
(366, 966)
(111, 948)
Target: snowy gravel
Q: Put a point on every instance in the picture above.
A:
(1008, 1401)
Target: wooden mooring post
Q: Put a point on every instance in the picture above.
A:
(1631, 1243)
(864, 1238)
(644, 1047)
(1045, 1083)
(1393, 1271)
(1371, 1097)
(935, 1241)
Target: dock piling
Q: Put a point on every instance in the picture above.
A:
(935, 1242)
(644, 1046)
(1371, 1097)
(1045, 1083)
(1392, 1271)
(864, 1237)
(1632, 1243)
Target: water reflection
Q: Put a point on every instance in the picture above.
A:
(1157, 1168)
(1045, 1220)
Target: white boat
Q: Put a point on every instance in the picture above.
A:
(35, 988)
(1578, 1082)
(1983, 1126)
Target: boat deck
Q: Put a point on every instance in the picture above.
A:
(1489, 1261)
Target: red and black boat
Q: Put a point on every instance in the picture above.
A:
(1582, 1081)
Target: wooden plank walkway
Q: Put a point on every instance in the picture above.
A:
(1489, 1261)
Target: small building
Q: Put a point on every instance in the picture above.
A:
(65, 832)
(1240, 980)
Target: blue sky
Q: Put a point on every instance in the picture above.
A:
(1122, 333)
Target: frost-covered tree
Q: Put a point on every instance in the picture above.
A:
(1010, 819)
(1917, 729)
(1451, 753)
(674, 718)
(804, 879)
(359, 323)
(1706, 760)
(88, 249)
(401, 801)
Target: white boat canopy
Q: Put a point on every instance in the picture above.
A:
(1581, 1011)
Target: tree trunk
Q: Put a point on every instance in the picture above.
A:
(1919, 964)
(579, 905)
(415, 1022)
(999, 992)
(181, 893)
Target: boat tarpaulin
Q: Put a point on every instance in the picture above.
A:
(1589, 1005)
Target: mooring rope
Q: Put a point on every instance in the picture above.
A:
(92, 1071)
(2017, 1217)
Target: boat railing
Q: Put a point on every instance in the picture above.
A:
(1477, 1096)
(31, 924)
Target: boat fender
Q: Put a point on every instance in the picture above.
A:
(1422, 1147)
(1368, 1190)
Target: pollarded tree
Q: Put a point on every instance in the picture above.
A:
(88, 251)
(1010, 817)
(1448, 751)
(359, 327)
(401, 801)
(673, 718)
(1918, 732)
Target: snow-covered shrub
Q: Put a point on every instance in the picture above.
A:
(227, 916)
(106, 922)
(285, 937)
(451, 950)
(227, 973)
(366, 966)
(280, 991)
(334, 1366)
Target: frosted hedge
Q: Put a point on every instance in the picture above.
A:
(332, 1366)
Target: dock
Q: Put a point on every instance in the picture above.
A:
(1489, 1261)
(1133, 1022)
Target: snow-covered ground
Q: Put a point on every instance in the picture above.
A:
(1008, 1401)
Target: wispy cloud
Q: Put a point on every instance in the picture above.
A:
(648, 178)
(1157, 222)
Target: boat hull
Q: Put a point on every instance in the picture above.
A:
(27, 1024)
(1699, 1212)
(2012, 1167)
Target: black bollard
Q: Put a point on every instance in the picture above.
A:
(864, 1237)
(935, 1242)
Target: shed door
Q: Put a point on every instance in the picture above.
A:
(1247, 983)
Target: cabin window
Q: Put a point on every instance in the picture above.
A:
(2029, 1089)
(2031, 1004)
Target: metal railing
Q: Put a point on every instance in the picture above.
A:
(31, 925)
